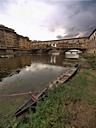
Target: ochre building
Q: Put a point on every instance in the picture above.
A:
(9, 39)
(92, 44)
(67, 43)
(24, 43)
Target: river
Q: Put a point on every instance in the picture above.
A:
(35, 72)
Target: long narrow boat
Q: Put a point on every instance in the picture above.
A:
(65, 76)
(31, 103)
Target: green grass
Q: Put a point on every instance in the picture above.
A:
(91, 59)
(8, 106)
(54, 111)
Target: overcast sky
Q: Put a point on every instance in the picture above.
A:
(49, 19)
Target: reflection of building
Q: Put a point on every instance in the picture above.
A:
(72, 53)
(54, 52)
(14, 63)
(53, 59)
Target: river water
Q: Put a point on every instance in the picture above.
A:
(34, 72)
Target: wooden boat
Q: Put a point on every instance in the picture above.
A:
(31, 103)
(64, 77)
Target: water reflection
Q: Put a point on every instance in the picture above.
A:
(9, 65)
(22, 61)
(36, 71)
(33, 78)
(53, 59)
(14, 63)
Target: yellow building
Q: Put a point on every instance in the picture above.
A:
(92, 44)
(30, 44)
(8, 37)
(2, 39)
(24, 43)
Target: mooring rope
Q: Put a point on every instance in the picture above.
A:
(14, 94)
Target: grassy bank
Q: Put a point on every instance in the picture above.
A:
(90, 59)
(71, 105)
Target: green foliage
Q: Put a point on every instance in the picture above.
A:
(13, 123)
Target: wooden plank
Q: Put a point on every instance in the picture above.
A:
(42, 91)
(29, 103)
(23, 110)
(12, 95)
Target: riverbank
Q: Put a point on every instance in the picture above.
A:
(71, 105)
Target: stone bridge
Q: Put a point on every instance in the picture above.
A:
(62, 45)
(49, 49)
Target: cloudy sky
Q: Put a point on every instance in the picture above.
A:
(49, 19)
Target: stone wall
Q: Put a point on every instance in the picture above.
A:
(91, 50)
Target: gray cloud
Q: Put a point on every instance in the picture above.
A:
(4, 5)
(74, 16)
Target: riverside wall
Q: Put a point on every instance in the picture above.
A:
(13, 52)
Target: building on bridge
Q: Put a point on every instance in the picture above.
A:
(92, 44)
(65, 44)
(87, 44)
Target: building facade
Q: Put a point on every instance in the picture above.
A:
(79, 43)
(24, 43)
(2, 39)
(8, 37)
(92, 44)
